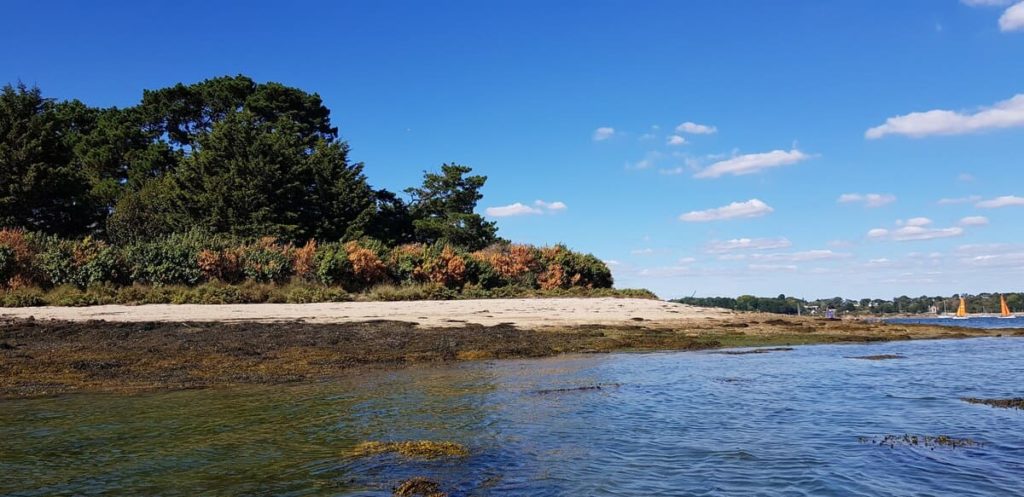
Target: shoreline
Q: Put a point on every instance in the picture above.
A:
(45, 357)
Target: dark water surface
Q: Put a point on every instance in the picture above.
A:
(691, 423)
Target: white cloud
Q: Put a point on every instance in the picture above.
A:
(603, 133)
(551, 206)
(918, 221)
(1013, 18)
(520, 209)
(965, 177)
(643, 251)
(696, 129)
(974, 221)
(959, 200)
(611, 262)
(868, 199)
(735, 210)
(516, 209)
(752, 163)
(1004, 201)
(718, 247)
(914, 233)
(676, 140)
(1005, 114)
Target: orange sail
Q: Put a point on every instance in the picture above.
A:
(961, 312)
(1004, 310)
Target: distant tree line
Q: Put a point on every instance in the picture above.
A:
(981, 303)
(223, 156)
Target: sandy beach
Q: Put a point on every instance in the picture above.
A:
(524, 313)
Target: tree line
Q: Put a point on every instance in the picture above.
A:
(782, 304)
(227, 155)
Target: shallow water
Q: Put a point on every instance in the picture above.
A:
(971, 322)
(689, 423)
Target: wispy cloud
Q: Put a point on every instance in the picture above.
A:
(868, 199)
(1005, 114)
(959, 200)
(1013, 18)
(555, 206)
(769, 268)
(718, 247)
(974, 221)
(735, 210)
(1004, 201)
(986, 3)
(915, 233)
(696, 129)
(752, 163)
(521, 209)
(676, 140)
(603, 133)
(649, 160)
(806, 255)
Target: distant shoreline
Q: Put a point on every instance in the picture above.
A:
(169, 347)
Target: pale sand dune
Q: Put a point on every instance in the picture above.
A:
(524, 313)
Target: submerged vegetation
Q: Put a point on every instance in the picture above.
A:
(419, 486)
(209, 191)
(1014, 403)
(415, 449)
(921, 440)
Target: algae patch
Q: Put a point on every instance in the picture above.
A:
(764, 350)
(920, 441)
(1014, 403)
(414, 449)
(576, 389)
(419, 486)
(879, 357)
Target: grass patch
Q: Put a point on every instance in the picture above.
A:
(295, 292)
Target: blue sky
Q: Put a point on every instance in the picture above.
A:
(576, 104)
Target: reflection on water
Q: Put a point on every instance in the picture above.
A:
(785, 423)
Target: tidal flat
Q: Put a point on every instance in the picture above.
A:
(47, 357)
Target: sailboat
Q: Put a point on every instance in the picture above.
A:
(1004, 310)
(961, 312)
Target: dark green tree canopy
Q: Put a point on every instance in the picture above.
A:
(41, 187)
(442, 209)
(225, 155)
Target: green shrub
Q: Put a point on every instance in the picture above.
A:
(164, 262)
(332, 265)
(480, 272)
(22, 297)
(308, 294)
(423, 291)
(78, 262)
(73, 296)
(266, 265)
(7, 264)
